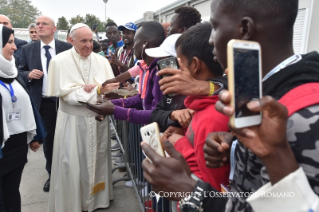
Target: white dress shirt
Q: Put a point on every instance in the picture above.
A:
(52, 51)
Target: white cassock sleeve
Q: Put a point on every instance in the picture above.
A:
(79, 94)
(299, 195)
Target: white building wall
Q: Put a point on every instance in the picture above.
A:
(306, 29)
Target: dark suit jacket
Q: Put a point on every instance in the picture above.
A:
(17, 53)
(31, 59)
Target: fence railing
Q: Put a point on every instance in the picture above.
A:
(129, 138)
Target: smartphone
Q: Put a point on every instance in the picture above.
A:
(170, 62)
(94, 27)
(151, 135)
(85, 103)
(244, 81)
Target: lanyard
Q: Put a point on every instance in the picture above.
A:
(11, 91)
(291, 60)
(232, 160)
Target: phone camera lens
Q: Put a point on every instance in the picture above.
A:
(167, 63)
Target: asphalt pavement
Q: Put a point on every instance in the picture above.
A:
(34, 199)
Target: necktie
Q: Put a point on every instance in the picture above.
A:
(48, 55)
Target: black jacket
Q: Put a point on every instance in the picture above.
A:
(31, 59)
(19, 44)
(164, 109)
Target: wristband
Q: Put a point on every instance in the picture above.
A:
(211, 88)
(98, 90)
(124, 97)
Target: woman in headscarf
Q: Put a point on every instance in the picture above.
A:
(18, 124)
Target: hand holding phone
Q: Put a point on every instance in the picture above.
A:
(151, 135)
(244, 81)
(170, 62)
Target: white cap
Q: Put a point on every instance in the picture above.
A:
(79, 25)
(166, 49)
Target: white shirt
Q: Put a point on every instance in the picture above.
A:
(52, 51)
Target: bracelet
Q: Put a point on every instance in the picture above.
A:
(98, 90)
(125, 97)
(211, 88)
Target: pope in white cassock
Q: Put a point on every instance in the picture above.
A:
(81, 177)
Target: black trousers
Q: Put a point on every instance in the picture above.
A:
(48, 111)
(10, 184)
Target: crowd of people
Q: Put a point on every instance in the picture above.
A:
(61, 94)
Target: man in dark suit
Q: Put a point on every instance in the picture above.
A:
(33, 68)
(4, 20)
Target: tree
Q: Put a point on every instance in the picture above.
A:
(101, 27)
(62, 24)
(76, 19)
(91, 20)
(21, 12)
(109, 20)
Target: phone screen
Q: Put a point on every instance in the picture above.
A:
(246, 74)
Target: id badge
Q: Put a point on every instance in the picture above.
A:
(14, 115)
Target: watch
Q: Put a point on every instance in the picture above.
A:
(194, 202)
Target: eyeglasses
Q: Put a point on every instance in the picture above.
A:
(31, 32)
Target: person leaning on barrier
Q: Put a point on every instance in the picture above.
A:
(124, 57)
(266, 146)
(138, 109)
(19, 123)
(251, 173)
(195, 57)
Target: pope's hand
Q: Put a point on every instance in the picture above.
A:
(106, 108)
(89, 88)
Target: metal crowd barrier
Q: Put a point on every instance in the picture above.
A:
(129, 138)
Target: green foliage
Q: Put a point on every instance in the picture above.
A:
(109, 20)
(62, 24)
(90, 20)
(76, 19)
(21, 12)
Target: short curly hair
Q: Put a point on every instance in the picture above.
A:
(188, 16)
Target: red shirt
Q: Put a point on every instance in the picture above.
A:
(205, 120)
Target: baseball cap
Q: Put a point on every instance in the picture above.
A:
(166, 49)
(129, 26)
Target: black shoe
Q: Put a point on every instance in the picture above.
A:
(113, 137)
(46, 186)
